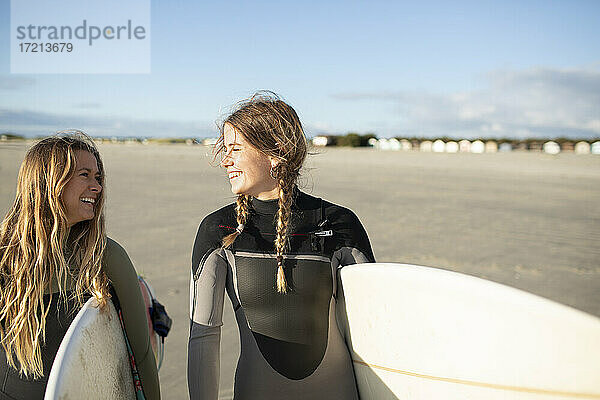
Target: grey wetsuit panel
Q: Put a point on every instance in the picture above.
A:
(291, 346)
(290, 330)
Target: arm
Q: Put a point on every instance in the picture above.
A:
(122, 275)
(353, 246)
(207, 290)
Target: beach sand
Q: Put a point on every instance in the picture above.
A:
(527, 220)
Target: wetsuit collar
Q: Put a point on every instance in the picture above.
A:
(271, 206)
(265, 206)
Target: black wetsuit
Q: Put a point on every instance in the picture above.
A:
(123, 278)
(291, 345)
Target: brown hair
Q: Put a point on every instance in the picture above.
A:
(34, 248)
(272, 127)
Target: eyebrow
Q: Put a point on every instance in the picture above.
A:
(87, 169)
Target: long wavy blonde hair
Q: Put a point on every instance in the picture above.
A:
(272, 127)
(39, 251)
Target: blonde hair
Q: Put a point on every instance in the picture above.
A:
(273, 128)
(33, 248)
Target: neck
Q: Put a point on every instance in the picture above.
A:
(269, 194)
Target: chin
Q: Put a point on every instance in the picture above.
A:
(237, 190)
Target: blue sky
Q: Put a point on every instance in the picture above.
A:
(461, 69)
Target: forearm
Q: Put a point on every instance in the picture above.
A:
(149, 375)
(204, 362)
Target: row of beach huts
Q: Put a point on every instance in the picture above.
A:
(475, 146)
(395, 144)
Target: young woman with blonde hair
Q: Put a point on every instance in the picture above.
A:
(54, 254)
(276, 251)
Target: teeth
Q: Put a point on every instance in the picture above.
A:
(234, 174)
(88, 200)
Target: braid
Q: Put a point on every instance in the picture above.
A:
(283, 218)
(241, 210)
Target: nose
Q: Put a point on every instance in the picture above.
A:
(226, 160)
(95, 186)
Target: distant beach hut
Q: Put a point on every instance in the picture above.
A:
(491, 146)
(394, 144)
(477, 147)
(520, 146)
(505, 147)
(596, 147)
(415, 144)
(210, 141)
(426, 146)
(567, 147)
(551, 147)
(438, 146)
(383, 144)
(405, 145)
(114, 139)
(3, 138)
(372, 142)
(536, 146)
(464, 146)
(451, 147)
(321, 141)
(582, 148)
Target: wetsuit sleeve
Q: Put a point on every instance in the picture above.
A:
(207, 291)
(123, 277)
(353, 248)
(353, 243)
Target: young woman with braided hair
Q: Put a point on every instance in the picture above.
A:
(276, 251)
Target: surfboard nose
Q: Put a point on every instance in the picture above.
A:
(91, 358)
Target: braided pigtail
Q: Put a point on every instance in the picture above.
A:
(283, 219)
(241, 210)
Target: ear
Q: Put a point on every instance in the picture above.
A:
(274, 161)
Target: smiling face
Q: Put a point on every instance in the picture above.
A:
(83, 189)
(247, 168)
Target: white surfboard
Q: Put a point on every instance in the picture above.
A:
(92, 360)
(419, 333)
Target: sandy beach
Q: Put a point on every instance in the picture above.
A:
(527, 220)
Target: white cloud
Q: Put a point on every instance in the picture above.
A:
(537, 102)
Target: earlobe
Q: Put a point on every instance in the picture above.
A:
(274, 163)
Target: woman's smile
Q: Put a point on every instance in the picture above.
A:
(234, 174)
